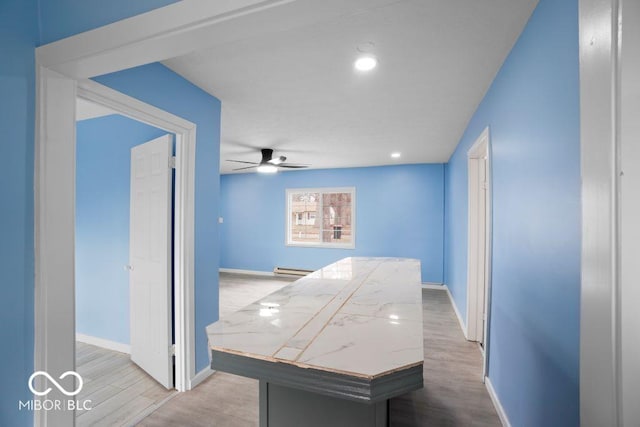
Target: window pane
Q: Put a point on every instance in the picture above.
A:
(336, 217)
(304, 227)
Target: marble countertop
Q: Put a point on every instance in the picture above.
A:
(358, 316)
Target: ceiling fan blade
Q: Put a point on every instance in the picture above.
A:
(293, 166)
(240, 161)
(248, 167)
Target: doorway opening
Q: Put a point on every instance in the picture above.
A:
(123, 214)
(55, 339)
(479, 242)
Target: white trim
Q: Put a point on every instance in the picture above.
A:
(455, 309)
(600, 120)
(437, 286)
(184, 196)
(132, 107)
(477, 272)
(54, 211)
(489, 259)
(184, 258)
(103, 343)
(287, 237)
(496, 403)
(248, 272)
(159, 34)
(629, 206)
(200, 377)
(479, 245)
(54, 347)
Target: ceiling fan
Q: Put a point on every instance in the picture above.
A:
(268, 164)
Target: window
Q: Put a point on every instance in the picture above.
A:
(321, 217)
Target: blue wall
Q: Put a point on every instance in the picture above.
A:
(532, 109)
(399, 212)
(103, 165)
(157, 85)
(18, 35)
(23, 25)
(64, 18)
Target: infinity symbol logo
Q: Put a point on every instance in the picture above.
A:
(58, 386)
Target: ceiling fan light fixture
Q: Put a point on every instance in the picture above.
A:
(366, 63)
(277, 160)
(267, 169)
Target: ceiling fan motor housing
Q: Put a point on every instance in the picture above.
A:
(267, 154)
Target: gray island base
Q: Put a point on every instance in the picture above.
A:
(332, 348)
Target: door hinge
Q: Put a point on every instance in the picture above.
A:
(173, 350)
(172, 162)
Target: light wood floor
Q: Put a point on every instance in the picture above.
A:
(453, 394)
(118, 389)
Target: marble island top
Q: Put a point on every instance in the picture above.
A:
(360, 317)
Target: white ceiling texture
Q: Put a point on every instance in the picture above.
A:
(295, 89)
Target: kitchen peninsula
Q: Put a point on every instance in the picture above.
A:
(331, 348)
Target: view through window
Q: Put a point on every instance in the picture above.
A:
(321, 217)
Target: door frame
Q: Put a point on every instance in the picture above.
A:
(184, 213)
(54, 347)
(608, 36)
(478, 247)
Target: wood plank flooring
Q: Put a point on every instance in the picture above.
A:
(453, 394)
(118, 389)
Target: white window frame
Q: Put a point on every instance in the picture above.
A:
(290, 242)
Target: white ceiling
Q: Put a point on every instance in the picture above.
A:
(296, 91)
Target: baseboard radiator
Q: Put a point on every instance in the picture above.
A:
(285, 271)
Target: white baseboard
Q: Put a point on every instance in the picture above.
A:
(455, 308)
(250, 272)
(430, 285)
(101, 342)
(200, 376)
(496, 402)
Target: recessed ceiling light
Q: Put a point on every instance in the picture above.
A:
(366, 63)
(267, 169)
(395, 155)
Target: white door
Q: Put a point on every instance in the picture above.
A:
(150, 259)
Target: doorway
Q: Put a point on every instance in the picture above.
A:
(55, 300)
(180, 262)
(125, 375)
(479, 241)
